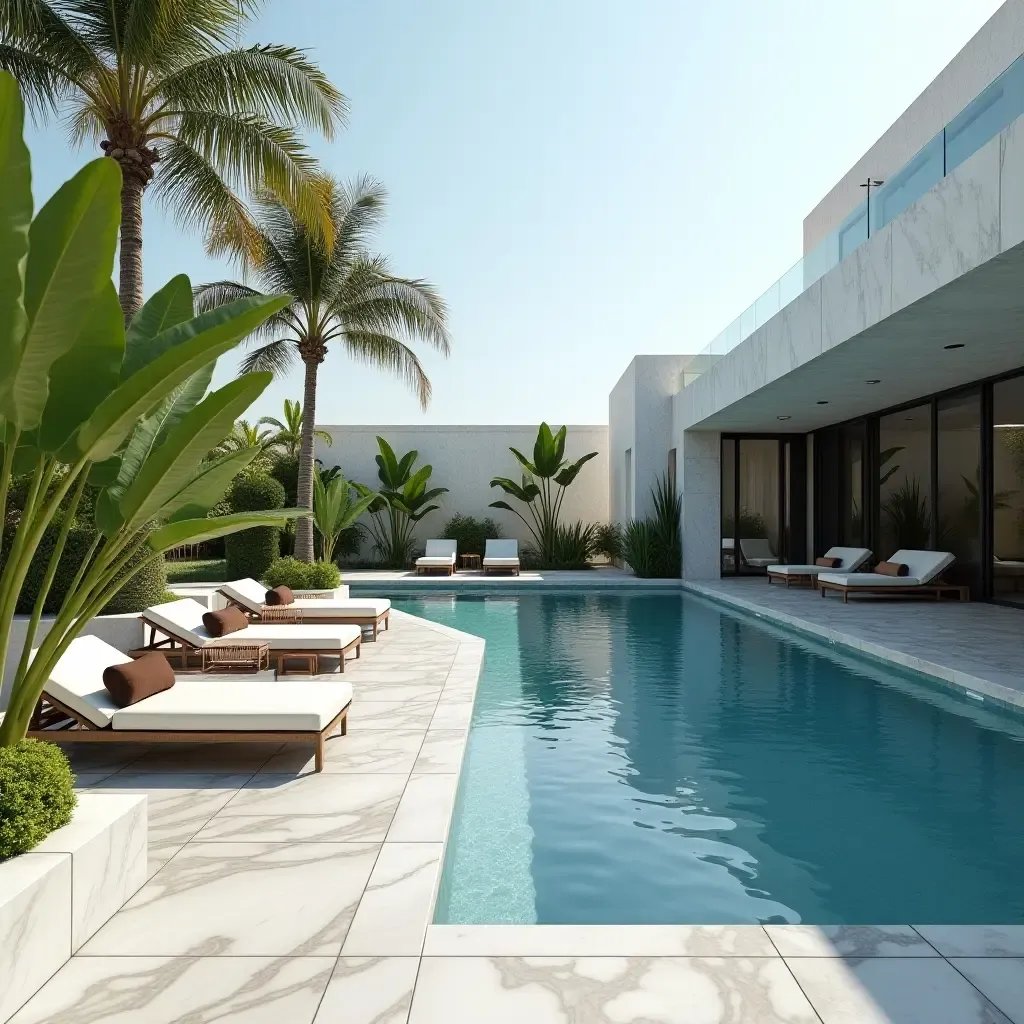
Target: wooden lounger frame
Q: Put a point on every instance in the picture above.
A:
(512, 570)
(57, 723)
(446, 570)
(176, 647)
(371, 621)
(802, 578)
(930, 589)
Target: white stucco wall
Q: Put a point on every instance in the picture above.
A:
(996, 45)
(464, 459)
(621, 438)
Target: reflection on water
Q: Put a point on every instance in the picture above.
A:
(668, 762)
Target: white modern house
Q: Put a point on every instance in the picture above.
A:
(874, 395)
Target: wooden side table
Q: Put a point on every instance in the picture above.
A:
(469, 561)
(309, 660)
(236, 657)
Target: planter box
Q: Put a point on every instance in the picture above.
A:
(60, 894)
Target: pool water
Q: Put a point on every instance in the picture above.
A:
(655, 758)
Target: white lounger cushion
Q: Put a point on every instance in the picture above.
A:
(439, 552)
(77, 679)
(237, 705)
(923, 567)
(178, 619)
(501, 552)
(250, 595)
(852, 560)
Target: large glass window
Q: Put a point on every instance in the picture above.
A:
(1008, 490)
(757, 530)
(728, 507)
(908, 184)
(905, 480)
(959, 486)
(851, 485)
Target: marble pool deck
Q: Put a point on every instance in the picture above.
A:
(280, 896)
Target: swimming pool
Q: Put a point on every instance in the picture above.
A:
(655, 758)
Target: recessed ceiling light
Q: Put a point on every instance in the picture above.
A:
(783, 417)
(957, 345)
(872, 382)
(822, 402)
(908, 417)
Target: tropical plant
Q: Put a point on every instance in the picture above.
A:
(245, 436)
(653, 547)
(906, 513)
(608, 540)
(470, 534)
(335, 511)
(751, 525)
(574, 545)
(543, 488)
(157, 82)
(296, 575)
(288, 435)
(884, 458)
(402, 501)
(638, 547)
(85, 402)
(344, 295)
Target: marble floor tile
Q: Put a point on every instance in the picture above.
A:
(83, 780)
(858, 941)
(389, 753)
(441, 752)
(392, 916)
(369, 990)
(607, 990)
(395, 716)
(206, 757)
(975, 940)
(891, 990)
(162, 990)
(322, 808)
(425, 693)
(243, 899)
(1000, 979)
(452, 715)
(503, 940)
(91, 757)
(425, 810)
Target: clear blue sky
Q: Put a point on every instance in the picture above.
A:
(584, 180)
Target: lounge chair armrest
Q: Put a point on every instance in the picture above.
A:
(280, 613)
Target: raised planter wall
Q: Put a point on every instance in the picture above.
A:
(55, 898)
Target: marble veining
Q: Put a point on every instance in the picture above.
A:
(369, 990)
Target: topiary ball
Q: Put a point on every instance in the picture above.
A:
(37, 794)
(323, 576)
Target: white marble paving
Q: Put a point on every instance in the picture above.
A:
(858, 941)
(425, 810)
(975, 940)
(369, 990)
(999, 979)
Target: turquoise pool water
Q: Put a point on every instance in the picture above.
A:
(657, 759)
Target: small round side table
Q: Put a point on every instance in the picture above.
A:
(469, 561)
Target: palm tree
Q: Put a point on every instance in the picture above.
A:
(159, 81)
(289, 432)
(245, 435)
(347, 295)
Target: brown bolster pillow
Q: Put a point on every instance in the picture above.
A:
(279, 595)
(828, 563)
(892, 569)
(136, 680)
(227, 620)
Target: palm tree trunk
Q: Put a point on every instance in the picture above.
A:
(304, 526)
(130, 292)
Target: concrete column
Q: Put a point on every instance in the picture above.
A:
(699, 471)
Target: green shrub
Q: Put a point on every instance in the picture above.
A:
(653, 547)
(286, 472)
(147, 587)
(470, 533)
(572, 546)
(36, 795)
(290, 572)
(251, 552)
(608, 540)
(638, 546)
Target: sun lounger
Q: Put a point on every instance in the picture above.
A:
(440, 555)
(850, 560)
(181, 624)
(77, 708)
(501, 556)
(369, 613)
(756, 552)
(924, 570)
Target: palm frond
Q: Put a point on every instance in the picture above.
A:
(387, 353)
(276, 356)
(38, 28)
(278, 82)
(217, 293)
(44, 84)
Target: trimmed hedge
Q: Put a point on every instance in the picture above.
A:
(471, 534)
(290, 572)
(37, 795)
(251, 552)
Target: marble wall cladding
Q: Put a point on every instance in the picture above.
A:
(107, 844)
(793, 336)
(1011, 186)
(35, 924)
(701, 537)
(950, 230)
(858, 293)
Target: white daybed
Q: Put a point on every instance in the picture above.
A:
(924, 569)
(440, 554)
(181, 623)
(249, 595)
(77, 708)
(850, 560)
(501, 556)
